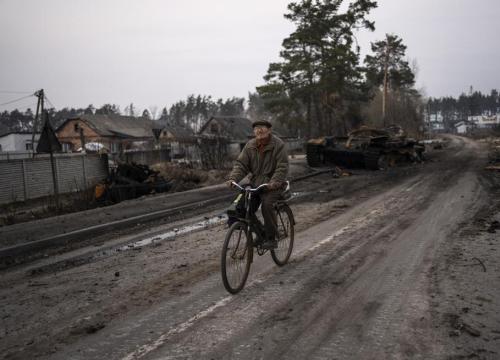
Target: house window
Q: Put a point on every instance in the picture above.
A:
(29, 146)
(77, 128)
(67, 147)
(114, 147)
(214, 129)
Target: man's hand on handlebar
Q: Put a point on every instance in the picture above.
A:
(274, 185)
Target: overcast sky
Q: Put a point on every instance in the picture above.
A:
(156, 52)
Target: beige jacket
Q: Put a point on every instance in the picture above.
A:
(270, 166)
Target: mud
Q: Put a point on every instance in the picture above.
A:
(387, 264)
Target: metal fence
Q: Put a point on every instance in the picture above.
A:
(23, 179)
(146, 157)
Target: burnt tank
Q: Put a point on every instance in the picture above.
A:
(366, 147)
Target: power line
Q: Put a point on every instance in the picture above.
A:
(23, 108)
(15, 92)
(19, 99)
(50, 102)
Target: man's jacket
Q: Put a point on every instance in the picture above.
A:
(270, 166)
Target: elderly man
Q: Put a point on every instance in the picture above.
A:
(265, 157)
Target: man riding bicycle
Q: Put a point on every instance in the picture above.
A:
(265, 157)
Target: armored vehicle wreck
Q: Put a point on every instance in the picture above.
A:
(365, 148)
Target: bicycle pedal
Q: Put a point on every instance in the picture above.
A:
(269, 245)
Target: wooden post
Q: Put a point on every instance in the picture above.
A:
(54, 178)
(82, 140)
(84, 172)
(25, 180)
(39, 112)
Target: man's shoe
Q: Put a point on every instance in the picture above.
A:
(270, 244)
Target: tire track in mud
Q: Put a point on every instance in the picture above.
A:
(259, 327)
(341, 246)
(178, 306)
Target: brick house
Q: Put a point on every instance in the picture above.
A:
(115, 132)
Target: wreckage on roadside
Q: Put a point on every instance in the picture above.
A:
(366, 147)
(129, 181)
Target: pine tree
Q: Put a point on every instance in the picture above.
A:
(319, 81)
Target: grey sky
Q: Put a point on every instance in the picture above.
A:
(156, 52)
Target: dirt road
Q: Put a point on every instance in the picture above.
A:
(396, 264)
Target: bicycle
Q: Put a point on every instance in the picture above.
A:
(248, 233)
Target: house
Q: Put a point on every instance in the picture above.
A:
(180, 141)
(115, 132)
(485, 121)
(18, 142)
(235, 130)
(435, 122)
(238, 130)
(463, 127)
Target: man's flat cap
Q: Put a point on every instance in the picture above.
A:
(262, 123)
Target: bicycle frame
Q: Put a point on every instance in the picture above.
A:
(252, 225)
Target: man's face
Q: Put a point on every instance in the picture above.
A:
(261, 131)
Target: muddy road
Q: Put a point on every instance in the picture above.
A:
(391, 264)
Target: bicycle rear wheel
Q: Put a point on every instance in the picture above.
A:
(286, 235)
(236, 258)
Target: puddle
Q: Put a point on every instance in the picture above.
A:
(300, 194)
(170, 235)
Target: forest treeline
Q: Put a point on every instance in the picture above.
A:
(458, 109)
(320, 86)
(192, 112)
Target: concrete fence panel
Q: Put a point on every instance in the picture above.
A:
(23, 179)
(11, 182)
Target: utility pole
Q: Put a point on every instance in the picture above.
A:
(49, 143)
(39, 111)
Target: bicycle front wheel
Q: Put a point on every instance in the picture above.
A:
(236, 258)
(286, 235)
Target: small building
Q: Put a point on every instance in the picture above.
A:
(235, 130)
(463, 127)
(238, 130)
(18, 142)
(488, 121)
(435, 122)
(180, 140)
(115, 132)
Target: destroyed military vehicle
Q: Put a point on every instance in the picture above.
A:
(365, 148)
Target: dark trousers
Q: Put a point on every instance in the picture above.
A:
(268, 199)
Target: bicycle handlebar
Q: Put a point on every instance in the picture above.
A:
(248, 188)
(258, 187)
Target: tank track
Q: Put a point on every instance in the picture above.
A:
(314, 155)
(372, 157)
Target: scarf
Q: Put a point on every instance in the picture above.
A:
(261, 144)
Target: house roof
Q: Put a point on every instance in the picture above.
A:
(18, 133)
(240, 128)
(464, 122)
(237, 128)
(118, 125)
(179, 132)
